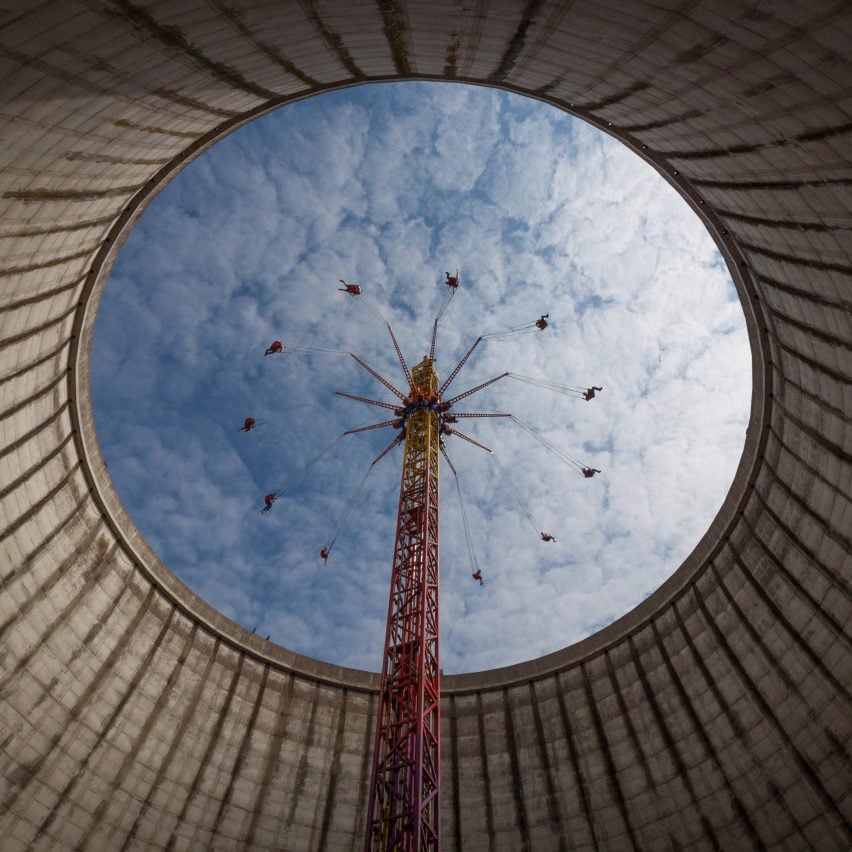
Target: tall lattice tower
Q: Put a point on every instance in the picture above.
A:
(404, 806)
(404, 794)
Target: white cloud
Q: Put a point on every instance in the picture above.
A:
(390, 187)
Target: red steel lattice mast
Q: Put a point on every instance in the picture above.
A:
(404, 805)
(403, 812)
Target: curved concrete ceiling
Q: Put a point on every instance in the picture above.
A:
(714, 715)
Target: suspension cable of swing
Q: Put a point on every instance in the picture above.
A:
(278, 410)
(444, 305)
(567, 390)
(353, 500)
(468, 538)
(564, 457)
(356, 291)
(526, 510)
(306, 350)
(517, 330)
(299, 473)
(350, 505)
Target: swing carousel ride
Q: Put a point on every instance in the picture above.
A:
(404, 804)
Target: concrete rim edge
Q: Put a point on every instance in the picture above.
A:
(168, 584)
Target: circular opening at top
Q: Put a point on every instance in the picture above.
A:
(392, 186)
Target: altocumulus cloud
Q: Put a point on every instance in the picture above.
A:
(390, 186)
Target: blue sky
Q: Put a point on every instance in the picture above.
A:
(390, 185)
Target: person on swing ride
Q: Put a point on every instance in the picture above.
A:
(268, 500)
(324, 556)
(589, 393)
(547, 537)
(274, 348)
(248, 424)
(541, 322)
(452, 280)
(477, 575)
(589, 472)
(351, 289)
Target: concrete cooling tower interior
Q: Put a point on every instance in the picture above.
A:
(715, 715)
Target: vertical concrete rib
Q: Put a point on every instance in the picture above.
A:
(826, 527)
(177, 740)
(612, 774)
(701, 733)
(800, 592)
(20, 369)
(366, 767)
(39, 427)
(671, 745)
(282, 712)
(517, 784)
(486, 778)
(779, 618)
(635, 741)
(542, 742)
(140, 740)
(842, 457)
(334, 773)
(39, 465)
(826, 570)
(239, 760)
(306, 742)
(33, 771)
(767, 713)
(730, 715)
(65, 795)
(40, 504)
(450, 712)
(575, 764)
(212, 742)
(44, 589)
(60, 527)
(757, 641)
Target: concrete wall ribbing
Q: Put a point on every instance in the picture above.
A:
(716, 714)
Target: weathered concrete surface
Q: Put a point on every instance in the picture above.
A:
(716, 714)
